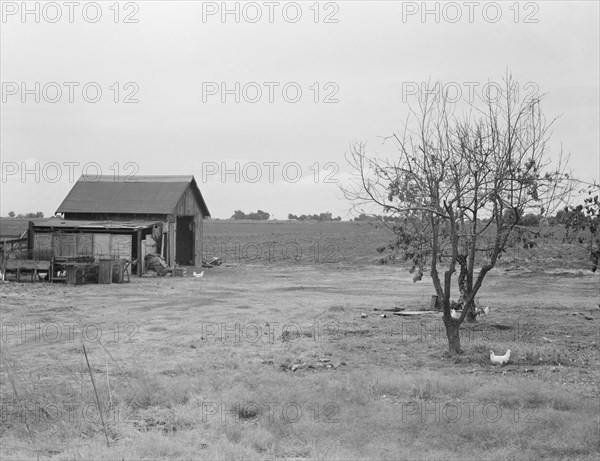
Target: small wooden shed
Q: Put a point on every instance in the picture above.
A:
(175, 202)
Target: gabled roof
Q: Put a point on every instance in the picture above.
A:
(137, 194)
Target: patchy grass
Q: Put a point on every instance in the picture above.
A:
(275, 362)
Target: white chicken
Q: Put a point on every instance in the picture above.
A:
(201, 274)
(483, 310)
(454, 314)
(499, 359)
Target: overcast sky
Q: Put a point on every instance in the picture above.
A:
(309, 78)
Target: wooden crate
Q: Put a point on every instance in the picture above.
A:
(105, 271)
(75, 275)
(27, 266)
(120, 271)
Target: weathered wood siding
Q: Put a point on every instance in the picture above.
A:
(82, 244)
(187, 205)
(171, 240)
(198, 240)
(43, 246)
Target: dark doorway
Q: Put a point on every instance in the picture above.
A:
(184, 242)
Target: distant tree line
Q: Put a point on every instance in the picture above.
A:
(258, 216)
(385, 218)
(314, 217)
(530, 219)
(37, 215)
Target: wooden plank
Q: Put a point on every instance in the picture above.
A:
(42, 245)
(410, 313)
(187, 204)
(139, 252)
(198, 240)
(27, 264)
(148, 247)
(30, 235)
(105, 271)
(171, 241)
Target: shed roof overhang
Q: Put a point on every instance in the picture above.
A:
(93, 226)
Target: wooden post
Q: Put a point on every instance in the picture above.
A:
(71, 275)
(30, 240)
(198, 240)
(139, 252)
(171, 240)
(105, 270)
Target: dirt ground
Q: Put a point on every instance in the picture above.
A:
(295, 333)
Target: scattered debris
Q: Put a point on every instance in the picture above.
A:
(179, 272)
(150, 423)
(393, 309)
(322, 364)
(201, 274)
(409, 313)
(158, 264)
(212, 263)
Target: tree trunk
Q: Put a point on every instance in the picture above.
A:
(471, 317)
(453, 335)
(464, 288)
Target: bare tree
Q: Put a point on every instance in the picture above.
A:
(459, 187)
(582, 222)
